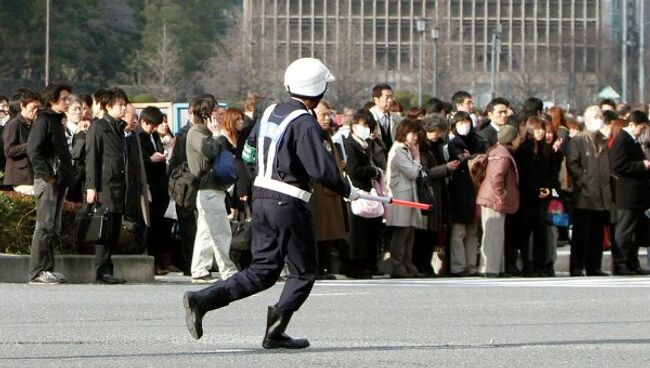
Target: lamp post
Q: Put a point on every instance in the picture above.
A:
(47, 42)
(434, 56)
(496, 51)
(420, 28)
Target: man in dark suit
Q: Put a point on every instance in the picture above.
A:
(630, 169)
(155, 168)
(106, 177)
(497, 111)
(18, 170)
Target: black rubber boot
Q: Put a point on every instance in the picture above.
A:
(275, 338)
(198, 303)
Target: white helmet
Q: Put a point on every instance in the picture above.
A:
(307, 77)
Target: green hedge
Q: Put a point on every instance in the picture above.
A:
(18, 218)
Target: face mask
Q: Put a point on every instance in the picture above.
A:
(462, 129)
(594, 125)
(362, 132)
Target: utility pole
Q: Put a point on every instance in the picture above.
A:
(624, 53)
(47, 42)
(434, 81)
(641, 51)
(420, 27)
(496, 51)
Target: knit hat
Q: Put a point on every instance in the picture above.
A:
(507, 134)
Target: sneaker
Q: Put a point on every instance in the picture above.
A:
(45, 278)
(207, 279)
(60, 277)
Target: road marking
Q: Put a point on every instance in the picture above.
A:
(559, 282)
(338, 294)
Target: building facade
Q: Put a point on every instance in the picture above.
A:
(556, 45)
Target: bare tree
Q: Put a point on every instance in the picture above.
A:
(162, 74)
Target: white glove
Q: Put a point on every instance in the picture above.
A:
(354, 194)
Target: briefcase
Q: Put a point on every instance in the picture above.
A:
(92, 224)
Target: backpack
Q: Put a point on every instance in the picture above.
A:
(183, 186)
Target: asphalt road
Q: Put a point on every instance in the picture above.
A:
(561, 322)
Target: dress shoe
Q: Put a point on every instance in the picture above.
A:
(490, 275)
(577, 273)
(624, 272)
(597, 273)
(642, 271)
(110, 280)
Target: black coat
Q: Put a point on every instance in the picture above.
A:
(588, 165)
(536, 170)
(48, 150)
(18, 169)
(156, 171)
(105, 168)
(434, 165)
(462, 192)
(358, 165)
(179, 154)
(490, 134)
(631, 176)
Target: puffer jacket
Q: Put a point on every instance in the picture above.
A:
(499, 190)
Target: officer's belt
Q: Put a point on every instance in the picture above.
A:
(282, 187)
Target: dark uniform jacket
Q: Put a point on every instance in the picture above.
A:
(18, 169)
(105, 167)
(47, 148)
(302, 154)
(632, 185)
(588, 165)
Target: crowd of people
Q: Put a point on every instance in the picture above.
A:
(493, 179)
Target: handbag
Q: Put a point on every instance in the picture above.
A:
(425, 192)
(241, 235)
(224, 170)
(366, 208)
(92, 224)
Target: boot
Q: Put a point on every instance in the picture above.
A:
(275, 338)
(198, 303)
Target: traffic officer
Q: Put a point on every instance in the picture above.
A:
(288, 149)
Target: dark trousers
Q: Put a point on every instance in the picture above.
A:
(534, 258)
(425, 242)
(282, 232)
(103, 262)
(587, 240)
(187, 233)
(49, 202)
(628, 232)
(159, 236)
(512, 244)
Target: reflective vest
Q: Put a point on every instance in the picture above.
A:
(266, 158)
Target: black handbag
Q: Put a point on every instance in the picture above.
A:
(241, 235)
(92, 224)
(425, 192)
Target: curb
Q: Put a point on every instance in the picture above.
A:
(79, 269)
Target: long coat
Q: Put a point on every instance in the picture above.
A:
(18, 169)
(105, 171)
(536, 170)
(434, 166)
(402, 173)
(328, 210)
(462, 192)
(632, 179)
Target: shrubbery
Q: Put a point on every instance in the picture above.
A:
(17, 220)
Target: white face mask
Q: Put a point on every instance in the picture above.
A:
(462, 129)
(594, 125)
(361, 131)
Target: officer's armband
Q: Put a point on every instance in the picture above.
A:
(249, 154)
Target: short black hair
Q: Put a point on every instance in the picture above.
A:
(496, 101)
(115, 94)
(29, 96)
(407, 126)
(436, 106)
(609, 116)
(101, 96)
(52, 92)
(460, 116)
(202, 107)
(3, 98)
(459, 97)
(638, 117)
(152, 115)
(87, 99)
(435, 122)
(377, 90)
(533, 106)
(607, 101)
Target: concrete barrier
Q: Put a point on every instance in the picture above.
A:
(79, 269)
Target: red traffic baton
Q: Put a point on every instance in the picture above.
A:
(395, 202)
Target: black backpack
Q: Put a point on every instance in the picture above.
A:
(183, 186)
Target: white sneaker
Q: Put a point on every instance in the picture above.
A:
(45, 278)
(207, 279)
(60, 277)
